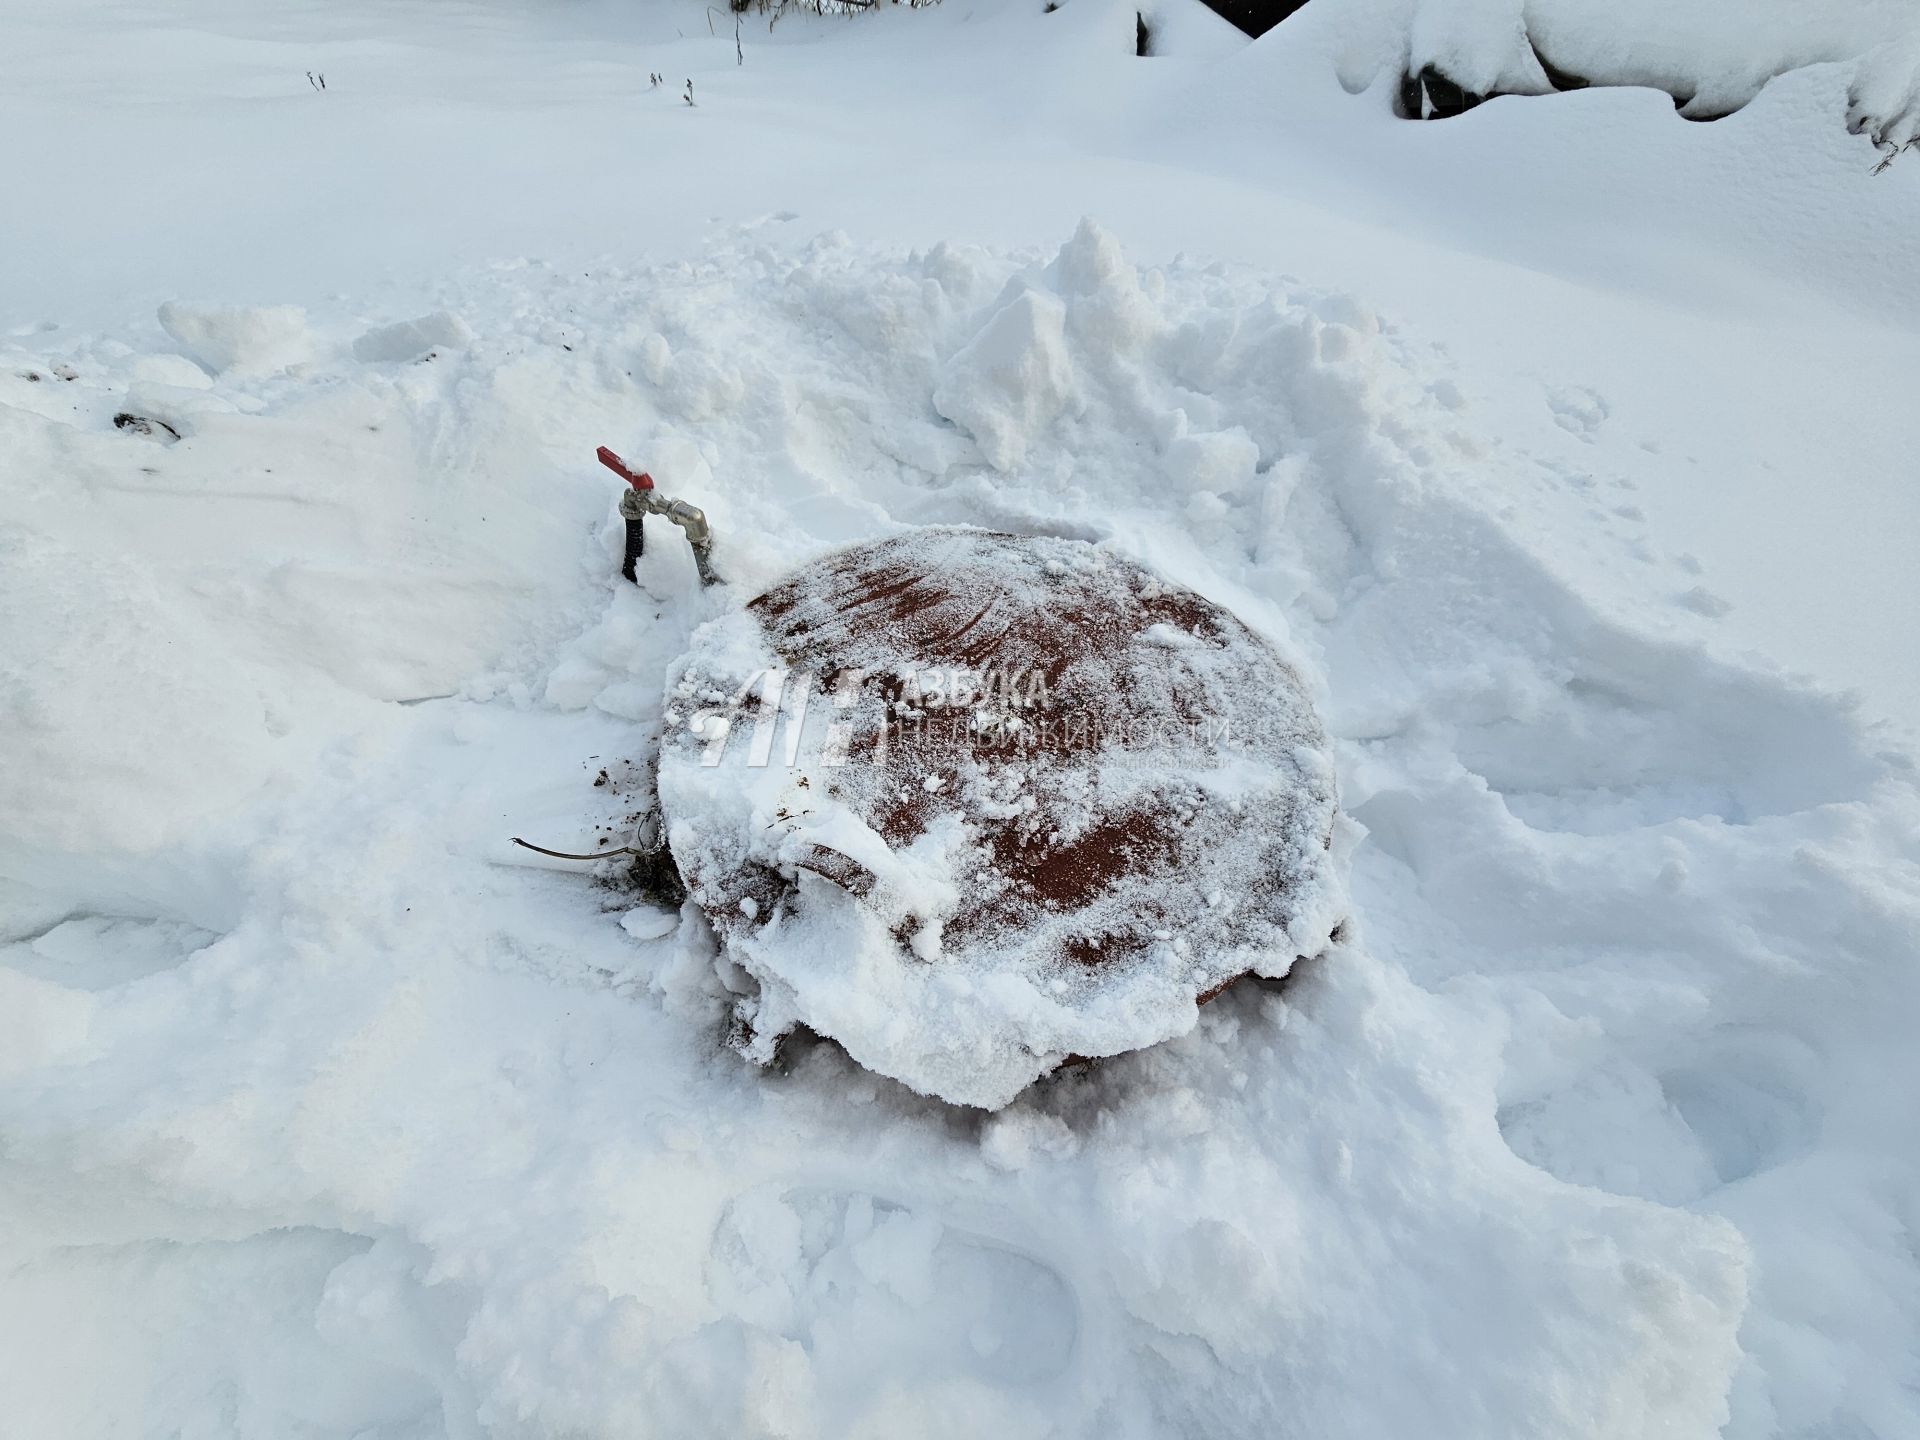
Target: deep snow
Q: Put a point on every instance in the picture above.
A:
(325, 1112)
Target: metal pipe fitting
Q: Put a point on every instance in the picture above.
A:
(691, 519)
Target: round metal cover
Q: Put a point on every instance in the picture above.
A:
(972, 804)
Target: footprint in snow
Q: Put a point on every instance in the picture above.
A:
(1578, 410)
(1739, 1110)
(1703, 601)
(99, 952)
(1746, 1107)
(873, 1287)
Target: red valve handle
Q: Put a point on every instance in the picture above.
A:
(640, 481)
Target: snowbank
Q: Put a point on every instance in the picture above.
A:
(1711, 57)
(336, 1117)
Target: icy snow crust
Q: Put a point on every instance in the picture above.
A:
(1014, 799)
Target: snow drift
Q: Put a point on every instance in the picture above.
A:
(305, 1077)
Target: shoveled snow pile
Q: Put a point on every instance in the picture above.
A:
(1031, 803)
(259, 340)
(326, 1113)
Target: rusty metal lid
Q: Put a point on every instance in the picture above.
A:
(971, 803)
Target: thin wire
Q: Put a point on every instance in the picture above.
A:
(563, 855)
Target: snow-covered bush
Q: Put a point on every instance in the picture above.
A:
(1712, 58)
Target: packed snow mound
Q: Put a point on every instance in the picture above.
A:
(1011, 378)
(1710, 56)
(1586, 1131)
(412, 339)
(1034, 803)
(255, 341)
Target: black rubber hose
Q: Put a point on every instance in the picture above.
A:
(636, 545)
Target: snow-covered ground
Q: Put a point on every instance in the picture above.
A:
(1571, 445)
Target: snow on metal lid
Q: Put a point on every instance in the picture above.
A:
(972, 804)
